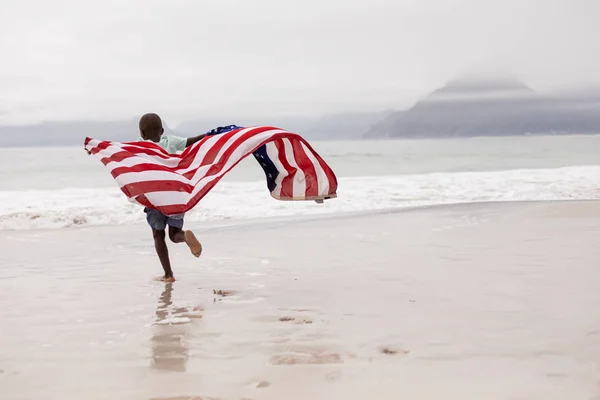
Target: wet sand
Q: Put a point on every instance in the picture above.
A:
(496, 301)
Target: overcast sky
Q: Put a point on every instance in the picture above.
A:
(78, 59)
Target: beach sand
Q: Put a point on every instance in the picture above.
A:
(488, 301)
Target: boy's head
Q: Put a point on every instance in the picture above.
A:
(151, 127)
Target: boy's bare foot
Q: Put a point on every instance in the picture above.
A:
(165, 279)
(193, 243)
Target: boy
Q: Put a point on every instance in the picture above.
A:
(151, 129)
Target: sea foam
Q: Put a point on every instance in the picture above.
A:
(64, 208)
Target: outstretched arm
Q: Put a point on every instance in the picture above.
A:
(194, 139)
(216, 131)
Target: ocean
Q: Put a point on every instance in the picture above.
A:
(63, 187)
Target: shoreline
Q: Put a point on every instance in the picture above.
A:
(213, 225)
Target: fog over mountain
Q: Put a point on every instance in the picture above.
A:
(492, 107)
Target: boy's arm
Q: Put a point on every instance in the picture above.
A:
(191, 140)
(194, 139)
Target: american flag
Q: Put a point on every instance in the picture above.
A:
(174, 183)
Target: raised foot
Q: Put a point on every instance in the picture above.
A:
(193, 243)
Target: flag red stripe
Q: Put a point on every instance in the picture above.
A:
(306, 165)
(138, 188)
(333, 185)
(128, 152)
(150, 151)
(99, 147)
(287, 184)
(117, 157)
(143, 200)
(174, 209)
(140, 168)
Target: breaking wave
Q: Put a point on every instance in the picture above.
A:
(64, 208)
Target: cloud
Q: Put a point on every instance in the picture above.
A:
(113, 59)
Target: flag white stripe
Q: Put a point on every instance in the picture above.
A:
(145, 176)
(139, 158)
(109, 151)
(165, 198)
(133, 161)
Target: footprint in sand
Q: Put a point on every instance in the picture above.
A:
(333, 376)
(258, 384)
(392, 351)
(221, 294)
(186, 398)
(224, 293)
(307, 355)
(557, 376)
(296, 321)
(318, 358)
(173, 321)
(189, 312)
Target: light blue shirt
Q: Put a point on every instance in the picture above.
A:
(172, 144)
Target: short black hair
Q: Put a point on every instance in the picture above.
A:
(151, 124)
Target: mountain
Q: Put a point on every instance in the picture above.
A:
(491, 107)
(72, 133)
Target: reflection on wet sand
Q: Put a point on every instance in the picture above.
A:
(171, 333)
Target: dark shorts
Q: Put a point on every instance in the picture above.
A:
(159, 221)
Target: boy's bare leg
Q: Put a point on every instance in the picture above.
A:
(163, 254)
(178, 236)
